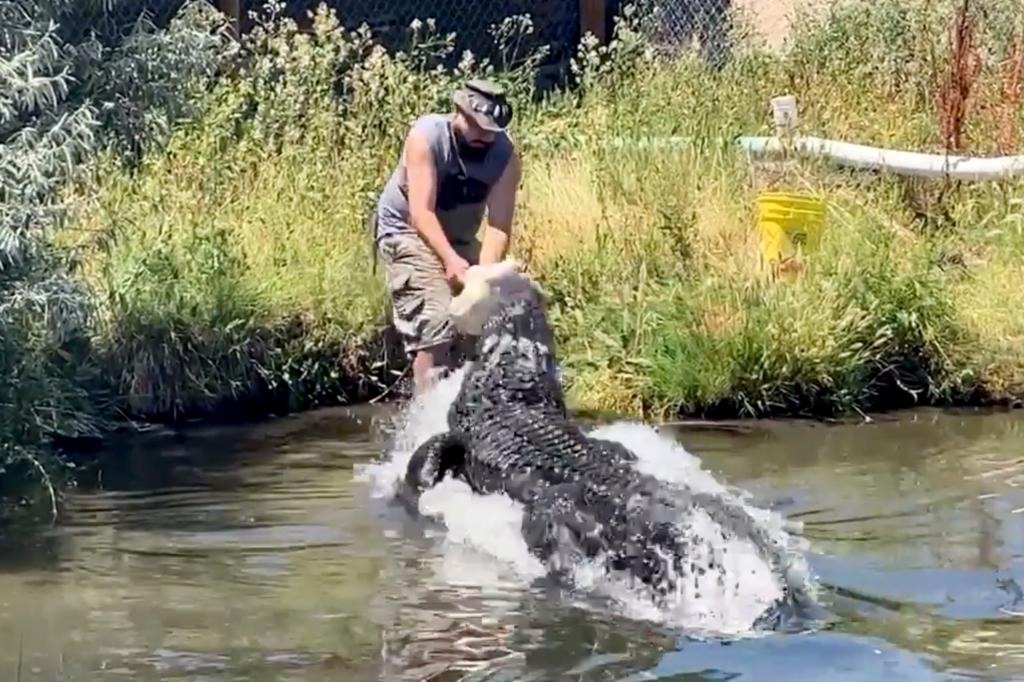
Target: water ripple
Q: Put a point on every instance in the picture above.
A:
(261, 553)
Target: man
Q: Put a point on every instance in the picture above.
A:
(454, 168)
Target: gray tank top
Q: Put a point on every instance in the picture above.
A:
(462, 187)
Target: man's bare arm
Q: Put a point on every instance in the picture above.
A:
(422, 178)
(501, 206)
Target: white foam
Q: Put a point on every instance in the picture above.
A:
(667, 460)
(422, 418)
(748, 585)
(487, 528)
(488, 523)
(483, 542)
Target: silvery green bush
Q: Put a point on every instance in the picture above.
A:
(76, 78)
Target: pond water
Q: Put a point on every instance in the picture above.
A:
(264, 553)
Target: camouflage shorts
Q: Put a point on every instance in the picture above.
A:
(420, 293)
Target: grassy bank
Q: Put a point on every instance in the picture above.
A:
(238, 259)
(228, 267)
(71, 87)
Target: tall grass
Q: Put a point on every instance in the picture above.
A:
(64, 98)
(679, 317)
(233, 268)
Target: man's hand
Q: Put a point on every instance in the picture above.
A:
(455, 269)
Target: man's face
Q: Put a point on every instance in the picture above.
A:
(471, 134)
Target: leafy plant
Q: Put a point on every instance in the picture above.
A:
(53, 120)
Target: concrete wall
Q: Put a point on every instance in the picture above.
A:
(773, 18)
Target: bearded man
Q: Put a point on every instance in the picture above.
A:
(455, 169)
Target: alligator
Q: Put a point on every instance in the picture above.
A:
(509, 432)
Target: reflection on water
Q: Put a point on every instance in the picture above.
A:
(252, 554)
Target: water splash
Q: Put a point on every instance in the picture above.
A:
(422, 418)
(483, 542)
(726, 583)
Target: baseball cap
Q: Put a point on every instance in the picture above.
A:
(484, 102)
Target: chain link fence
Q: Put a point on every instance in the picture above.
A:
(707, 26)
(713, 27)
(556, 22)
(671, 25)
(675, 25)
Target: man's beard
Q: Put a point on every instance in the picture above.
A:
(471, 152)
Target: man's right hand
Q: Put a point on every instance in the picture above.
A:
(455, 269)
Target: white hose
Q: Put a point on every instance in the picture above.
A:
(854, 156)
(895, 161)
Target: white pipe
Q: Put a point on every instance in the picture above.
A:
(650, 142)
(896, 161)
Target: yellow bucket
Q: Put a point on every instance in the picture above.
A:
(789, 224)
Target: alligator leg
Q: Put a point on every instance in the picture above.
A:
(438, 456)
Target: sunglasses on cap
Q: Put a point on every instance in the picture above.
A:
(481, 102)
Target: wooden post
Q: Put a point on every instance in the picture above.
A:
(232, 9)
(593, 19)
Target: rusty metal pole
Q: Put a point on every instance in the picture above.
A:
(593, 19)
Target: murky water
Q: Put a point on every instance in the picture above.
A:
(259, 553)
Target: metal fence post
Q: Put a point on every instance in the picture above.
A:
(593, 18)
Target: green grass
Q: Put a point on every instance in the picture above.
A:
(233, 267)
(223, 277)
